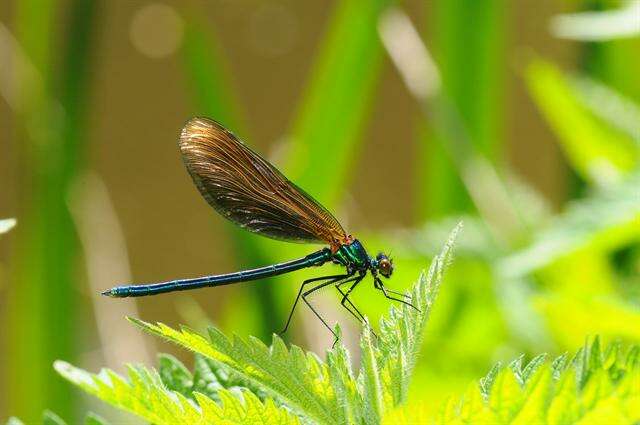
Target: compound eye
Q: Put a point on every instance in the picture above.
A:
(385, 267)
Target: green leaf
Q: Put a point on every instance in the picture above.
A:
(604, 398)
(610, 106)
(590, 390)
(208, 378)
(401, 332)
(50, 418)
(144, 395)
(477, 97)
(505, 398)
(558, 366)
(607, 219)
(535, 397)
(596, 151)
(337, 101)
(486, 383)
(174, 375)
(93, 419)
(532, 367)
(343, 382)
(371, 386)
(208, 77)
(54, 101)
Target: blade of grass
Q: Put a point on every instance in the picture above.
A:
(325, 134)
(208, 78)
(43, 299)
(33, 21)
(468, 35)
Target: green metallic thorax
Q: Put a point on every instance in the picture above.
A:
(353, 256)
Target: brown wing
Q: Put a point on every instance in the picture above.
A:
(248, 190)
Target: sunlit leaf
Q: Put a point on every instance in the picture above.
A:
(607, 219)
(600, 25)
(143, 394)
(93, 419)
(598, 152)
(610, 106)
(605, 396)
(50, 418)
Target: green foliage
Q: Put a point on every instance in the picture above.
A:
(145, 395)
(294, 382)
(606, 220)
(476, 97)
(245, 381)
(337, 100)
(608, 105)
(50, 418)
(207, 378)
(594, 387)
(596, 150)
(54, 104)
(207, 76)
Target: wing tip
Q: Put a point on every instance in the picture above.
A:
(199, 125)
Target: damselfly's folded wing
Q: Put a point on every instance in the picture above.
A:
(246, 189)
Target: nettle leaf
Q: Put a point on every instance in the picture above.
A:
(174, 375)
(596, 386)
(207, 378)
(373, 405)
(401, 333)
(143, 393)
(487, 382)
(50, 418)
(235, 379)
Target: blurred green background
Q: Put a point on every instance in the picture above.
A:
(520, 118)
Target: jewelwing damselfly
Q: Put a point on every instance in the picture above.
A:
(246, 189)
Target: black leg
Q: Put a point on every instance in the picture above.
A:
(345, 297)
(398, 293)
(378, 284)
(333, 279)
(304, 298)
